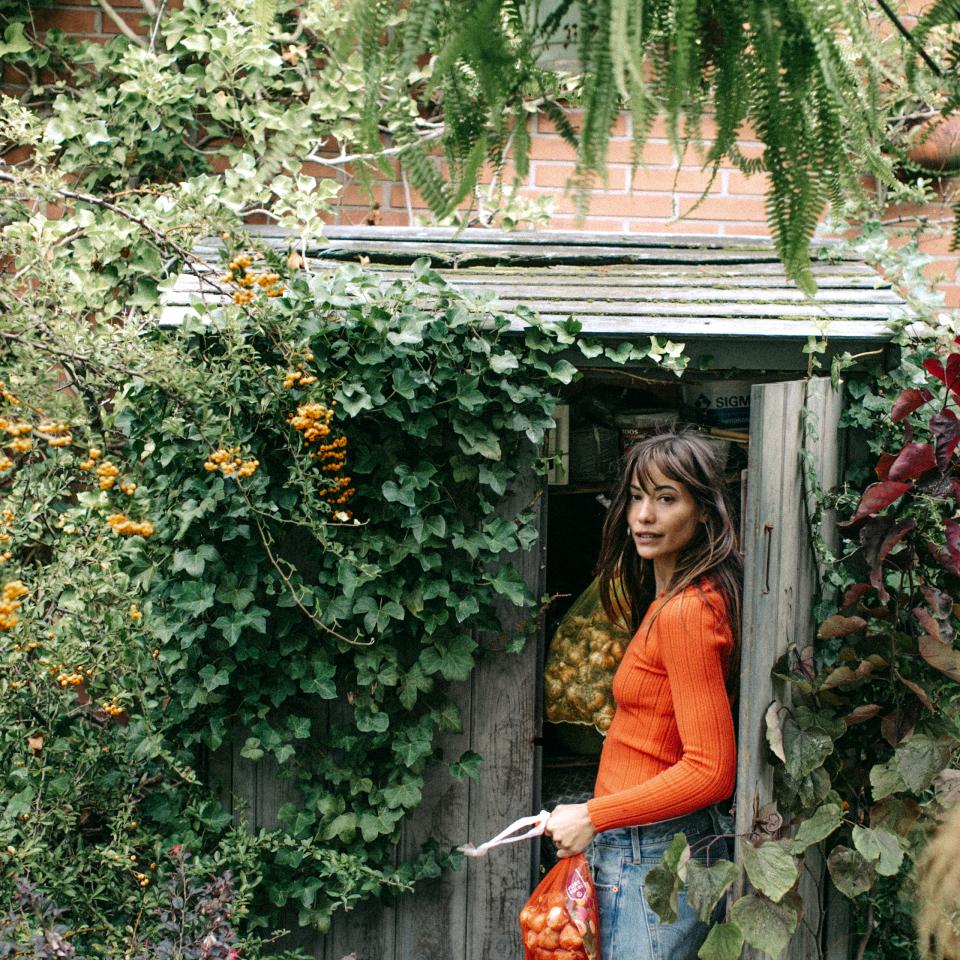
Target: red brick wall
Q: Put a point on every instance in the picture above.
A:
(661, 196)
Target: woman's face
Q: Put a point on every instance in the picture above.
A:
(662, 519)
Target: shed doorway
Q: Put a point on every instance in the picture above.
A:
(782, 446)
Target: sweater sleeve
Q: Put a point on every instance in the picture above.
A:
(694, 644)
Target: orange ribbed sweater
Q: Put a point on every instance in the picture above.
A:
(670, 749)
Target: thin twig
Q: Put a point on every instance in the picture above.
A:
(406, 196)
(862, 949)
(291, 588)
(345, 159)
(149, 6)
(122, 24)
(885, 7)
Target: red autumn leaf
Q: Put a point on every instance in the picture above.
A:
(897, 726)
(942, 607)
(907, 402)
(941, 656)
(875, 498)
(948, 556)
(934, 367)
(928, 623)
(878, 536)
(837, 626)
(844, 675)
(862, 714)
(913, 461)
(884, 464)
(915, 688)
(855, 594)
(946, 431)
(949, 375)
(953, 371)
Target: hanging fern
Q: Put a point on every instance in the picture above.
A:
(776, 67)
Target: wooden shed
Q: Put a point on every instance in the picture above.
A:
(744, 327)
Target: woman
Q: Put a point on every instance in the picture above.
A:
(670, 565)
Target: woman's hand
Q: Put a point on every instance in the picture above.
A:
(571, 828)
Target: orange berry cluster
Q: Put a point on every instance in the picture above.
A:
(70, 679)
(297, 378)
(135, 613)
(228, 462)
(313, 421)
(121, 524)
(20, 442)
(112, 708)
(55, 433)
(10, 596)
(108, 473)
(7, 395)
(240, 275)
(6, 519)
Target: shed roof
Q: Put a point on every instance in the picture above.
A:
(695, 289)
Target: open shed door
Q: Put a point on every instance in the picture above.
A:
(786, 421)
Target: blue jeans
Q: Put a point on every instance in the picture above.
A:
(621, 860)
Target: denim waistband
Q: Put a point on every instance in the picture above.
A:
(653, 837)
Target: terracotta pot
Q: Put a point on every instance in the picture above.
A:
(937, 144)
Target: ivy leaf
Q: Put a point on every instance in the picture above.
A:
(765, 925)
(412, 684)
(724, 942)
(590, 348)
(706, 885)
(850, 872)
(405, 794)
(344, 827)
(322, 681)
(14, 41)
(452, 661)
(213, 678)
(251, 749)
(504, 362)
(825, 820)
(508, 584)
(770, 868)
(920, 759)
(467, 766)
(880, 847)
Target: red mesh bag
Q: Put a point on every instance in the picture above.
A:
(560, 920)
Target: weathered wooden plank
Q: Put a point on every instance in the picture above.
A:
(402, 235)
(778, 595)
(693, 304)
(503, 727)
(456, 253)
(432, 922)
(746, 328)
(630, 290)
(681, 328)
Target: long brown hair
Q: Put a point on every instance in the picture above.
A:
(627, 586)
